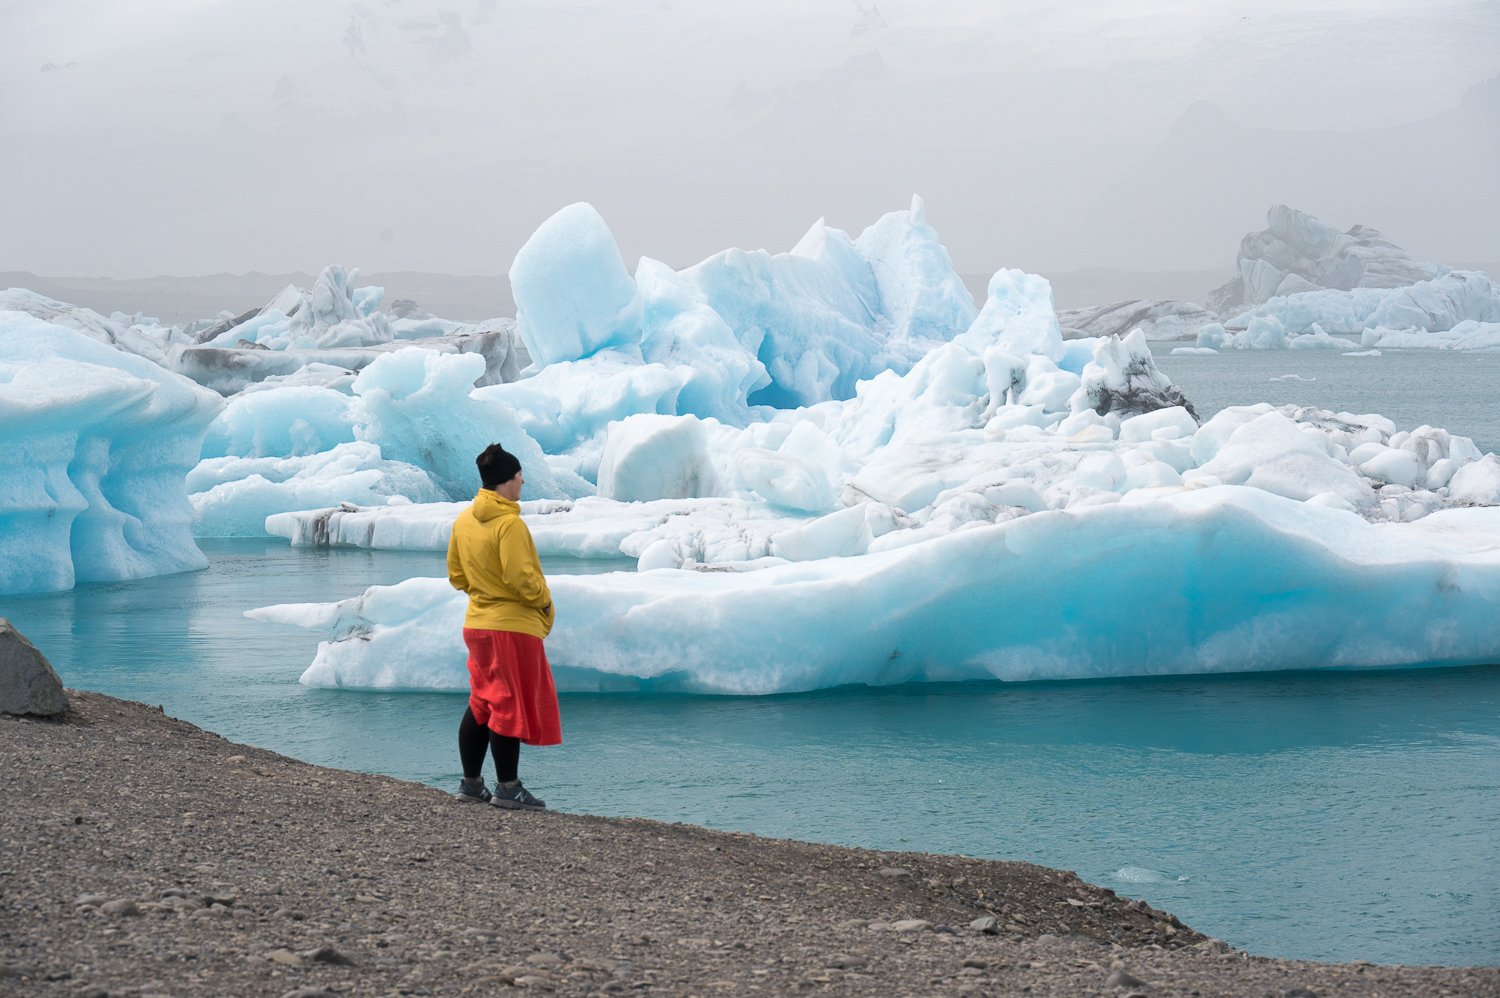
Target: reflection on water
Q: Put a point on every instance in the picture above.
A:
(1325, 815)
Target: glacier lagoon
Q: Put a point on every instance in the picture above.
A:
(1337, 816)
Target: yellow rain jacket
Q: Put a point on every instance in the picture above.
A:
(492, 558)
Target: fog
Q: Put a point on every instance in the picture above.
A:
(199, 137)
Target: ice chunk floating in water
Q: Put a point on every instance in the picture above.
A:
(1141, 875)
(94, 446)
(1219, 579)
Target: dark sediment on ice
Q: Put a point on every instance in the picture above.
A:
(140, 855)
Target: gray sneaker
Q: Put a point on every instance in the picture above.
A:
(474, 792)
(516, 797)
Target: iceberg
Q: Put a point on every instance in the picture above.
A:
(1155, 318)
(835, 310)
(573, 295)
(1298, 253)
(1303, 284)
(138, 334)
(1289, 585)
(233, 496)
(96, 446)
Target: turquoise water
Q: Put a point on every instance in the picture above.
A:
(1457, 391)
(1332, 816)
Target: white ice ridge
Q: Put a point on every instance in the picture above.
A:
(1221, 579)
(96, 442)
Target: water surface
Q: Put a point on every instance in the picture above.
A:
(1345, 815)
(1459, 391)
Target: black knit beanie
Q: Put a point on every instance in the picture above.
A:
(497, 466)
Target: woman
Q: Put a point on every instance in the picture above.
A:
(512, 698)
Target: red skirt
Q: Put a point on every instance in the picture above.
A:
(510, 686)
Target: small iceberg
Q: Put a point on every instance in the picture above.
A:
(1141, 875)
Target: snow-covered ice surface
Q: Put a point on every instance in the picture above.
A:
(1219, 579)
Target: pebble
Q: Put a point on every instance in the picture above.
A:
(309, 993)
(988, 924)
(534, 981)
(122, 908)
(285, 957)
(94, 899)
(841, 962)
(974, 961)
(1301, 993)
(545, 960)
(894, 871)
(912, 925)
(1123, 979)
(327, 954)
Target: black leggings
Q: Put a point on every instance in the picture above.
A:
(472, 739)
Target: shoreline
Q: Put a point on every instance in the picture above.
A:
(141, 855)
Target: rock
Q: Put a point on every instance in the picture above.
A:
(912, 925)
(1212, 946)
(227, 900)
(122, 908)
(6, 970)
(309, 993)
(1048, 939)
(286, 958)
(93, 993)
(545, 960)
(974, 961)
(1301, 993)
(841, 962)
(894, 871)
(988, 924)
(28, 683)
(854, 923)
(94, 899)
(534, 981)
(1123, 979)
(327, 954)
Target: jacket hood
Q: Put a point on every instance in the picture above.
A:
(488, 505)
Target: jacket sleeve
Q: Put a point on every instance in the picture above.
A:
(520, 568)
(456, 574)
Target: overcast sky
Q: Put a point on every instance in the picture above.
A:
(203, 136)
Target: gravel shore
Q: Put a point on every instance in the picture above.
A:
(140, 855)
